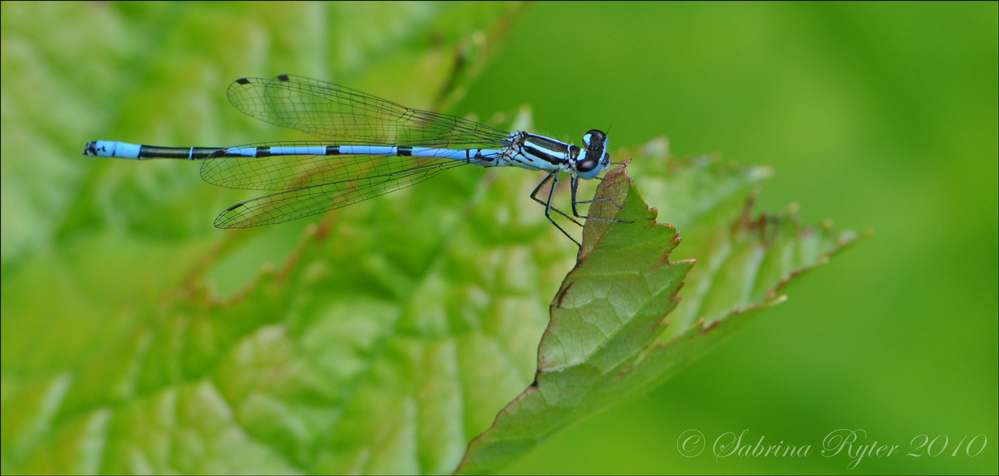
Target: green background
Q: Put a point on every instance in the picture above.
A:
(882, 117)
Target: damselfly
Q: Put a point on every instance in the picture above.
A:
(371, 147)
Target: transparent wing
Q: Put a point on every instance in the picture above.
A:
(349, 117)
(290, 172)
(286, 206)
(316, 184)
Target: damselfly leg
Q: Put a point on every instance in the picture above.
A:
(574, 186)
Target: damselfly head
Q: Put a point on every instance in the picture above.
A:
(594, 157)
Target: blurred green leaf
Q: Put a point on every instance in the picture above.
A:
(616, 329)
(139, 365)
(136, 338)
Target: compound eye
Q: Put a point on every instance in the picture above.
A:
(586, 165)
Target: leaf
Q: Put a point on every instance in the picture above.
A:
(119, 353)
(616, 327)
(136, 338)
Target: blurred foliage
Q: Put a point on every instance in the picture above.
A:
(138, 338)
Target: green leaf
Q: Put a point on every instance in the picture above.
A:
(137, 338)
(620, 324)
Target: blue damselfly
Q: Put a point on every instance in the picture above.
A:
(370, 147)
